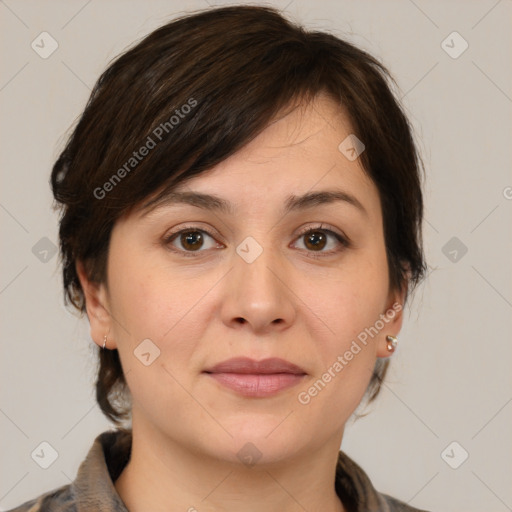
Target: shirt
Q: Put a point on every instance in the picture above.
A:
(93, 488)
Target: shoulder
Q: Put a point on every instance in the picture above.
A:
(57, 500)
(357, 492)
(93, 487)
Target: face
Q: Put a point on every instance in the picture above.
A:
(192, 284)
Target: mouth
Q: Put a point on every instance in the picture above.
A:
(257, 379)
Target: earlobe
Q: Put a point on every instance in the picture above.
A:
(96, 305)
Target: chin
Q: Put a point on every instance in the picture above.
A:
(263, 438)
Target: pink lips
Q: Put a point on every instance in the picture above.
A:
(256, 378)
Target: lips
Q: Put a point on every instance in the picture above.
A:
(245, 365)
(256, 379)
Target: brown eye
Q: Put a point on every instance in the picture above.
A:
(315, 240)
(319, 241)
(192, 240)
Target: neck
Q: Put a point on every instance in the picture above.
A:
(163, 475)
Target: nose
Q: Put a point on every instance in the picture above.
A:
(257, 295)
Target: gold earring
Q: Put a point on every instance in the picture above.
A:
(392, 342)
(104, 341)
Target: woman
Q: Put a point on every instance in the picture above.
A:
(241, 221)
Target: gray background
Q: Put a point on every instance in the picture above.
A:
(450, 378)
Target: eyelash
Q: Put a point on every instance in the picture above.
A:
(344, 241)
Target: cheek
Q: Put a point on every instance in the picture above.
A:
(348, 300)
(146, 299)
(346, 351)
(152, 302)
(142, 306)
(349, 304)
(151, 306)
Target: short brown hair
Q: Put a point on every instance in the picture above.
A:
(236, 68)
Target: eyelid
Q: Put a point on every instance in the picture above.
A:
(322, 227)
(192, 227)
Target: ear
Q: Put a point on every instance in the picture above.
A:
(392, 317)
(97, 306)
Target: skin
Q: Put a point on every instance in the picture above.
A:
(187, 428)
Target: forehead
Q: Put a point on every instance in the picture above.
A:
(302, 151)
(312, 131)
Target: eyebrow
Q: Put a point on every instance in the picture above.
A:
(292, 203)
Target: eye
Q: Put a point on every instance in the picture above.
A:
(316, 239)
(190, 240)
